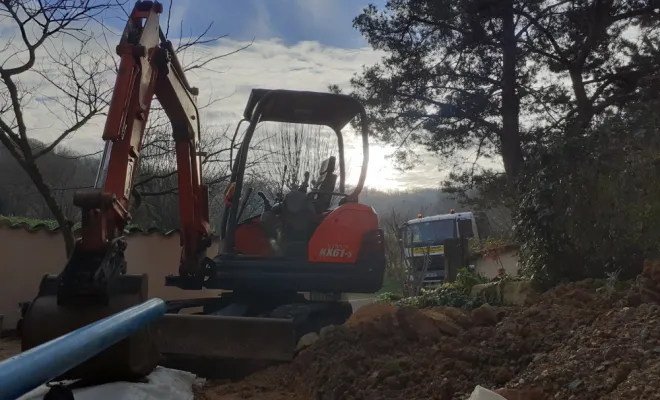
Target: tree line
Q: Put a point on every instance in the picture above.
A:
(563, 94)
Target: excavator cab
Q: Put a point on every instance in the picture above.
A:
(290, 263)
(290, 223)
(297, 243)
(300, 244)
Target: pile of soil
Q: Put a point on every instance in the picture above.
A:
(583, 340)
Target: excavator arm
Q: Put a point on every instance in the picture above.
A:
(148, 67)
(94, 283)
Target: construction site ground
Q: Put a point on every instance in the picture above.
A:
(584, 340)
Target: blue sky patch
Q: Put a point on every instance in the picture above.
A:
(329, 22)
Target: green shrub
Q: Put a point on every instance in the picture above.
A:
(447, 295)
(455, 294)
(29, 222)
(588, 204)
(387, 297)
(466, 279)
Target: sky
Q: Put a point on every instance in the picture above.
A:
(295, 44)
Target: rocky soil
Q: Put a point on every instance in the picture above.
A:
(585, 340)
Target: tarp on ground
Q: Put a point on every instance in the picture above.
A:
(481, 393)
(162, 384)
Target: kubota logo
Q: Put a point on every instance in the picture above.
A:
(335, 250)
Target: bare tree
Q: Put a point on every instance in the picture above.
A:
(50, 42)
(156, 183)
(296, 149)
(409, 277)
(396, 268)
(58, 60)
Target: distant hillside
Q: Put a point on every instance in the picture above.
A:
(409, 203)
(64, 172)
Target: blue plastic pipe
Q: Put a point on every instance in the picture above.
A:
(31, 369)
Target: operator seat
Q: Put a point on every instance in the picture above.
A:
(326, 183)
(297, 217)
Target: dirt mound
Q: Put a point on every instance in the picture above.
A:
(371, 313)
(584, 340)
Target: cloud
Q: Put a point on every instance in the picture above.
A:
(271, 64)
(268, 63)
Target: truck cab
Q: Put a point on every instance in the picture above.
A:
(424, 238)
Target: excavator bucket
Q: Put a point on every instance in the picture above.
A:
(129, 359)
(198, 343)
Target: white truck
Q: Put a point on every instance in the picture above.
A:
(423, 242)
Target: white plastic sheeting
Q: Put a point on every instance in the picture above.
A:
(163, 384)
(481, 393)
(171, 384)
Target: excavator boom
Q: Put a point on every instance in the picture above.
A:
(148, 67)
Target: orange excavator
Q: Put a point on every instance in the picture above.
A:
(281, 271)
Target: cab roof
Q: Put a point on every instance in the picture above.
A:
(304, 107)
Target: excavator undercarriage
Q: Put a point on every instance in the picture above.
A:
(281, 271)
